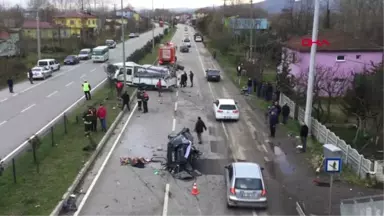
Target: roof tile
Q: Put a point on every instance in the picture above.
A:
(75, 14)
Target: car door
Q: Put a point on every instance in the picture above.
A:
(57, 64)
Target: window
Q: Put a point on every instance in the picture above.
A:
(93, 22)
(227, 107)
(248, 184)
(51, 63)
(340, 58)
(358, 56)
(71, 22)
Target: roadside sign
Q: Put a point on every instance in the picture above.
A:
(332, 165)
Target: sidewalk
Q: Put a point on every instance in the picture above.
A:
(295, 173)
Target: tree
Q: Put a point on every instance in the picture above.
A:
(285, 80)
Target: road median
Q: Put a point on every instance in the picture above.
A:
(36, 180)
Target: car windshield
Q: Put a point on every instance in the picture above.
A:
(109, 41)
(84, 52)
(228, 107)
(36, 69)
(97, 52)
(213, 72)
(248, 184)
(70, 57)
(187, 40)
(43, 63)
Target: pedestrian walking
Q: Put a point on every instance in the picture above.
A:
(191, 77)
(272, 122)
(158, 86)
(87, 90)
(269, 92)
(303, 137)
(249, 85)
(87, 119)
(119, 89)
(102, 114)
(94, 119)
(30, 76)
(139, 97)
(185, 79)
(285, 111)
(199, 129)
(10, 84)
(214, 54)
(145, 102)
(126, 99)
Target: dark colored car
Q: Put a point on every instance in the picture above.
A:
(71, 60)
(213, 75)
(111, 44)
(184, 49)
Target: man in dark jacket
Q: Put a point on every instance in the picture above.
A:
(139, 97)
(145, 102)
(191, 77)
(10, 84)
(94, 119)
(185, 79)
(285, 113)
(255, 83)
(278, 110)
(30, 76)
(303, 137)
(125, 97)
(269, 91)
(199, 129)
(249, 85)
(273, 122)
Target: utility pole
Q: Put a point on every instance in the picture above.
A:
(38, 34)
(311, 75)
(251, 34)
(123, 39)
(82, 5)
(153, 28)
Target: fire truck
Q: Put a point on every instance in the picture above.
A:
(167, 54)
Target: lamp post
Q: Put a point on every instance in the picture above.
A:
(123, 39)
(251, 34)
(153, 28)
(38, 34)
(311, 74)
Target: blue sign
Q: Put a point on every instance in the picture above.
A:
(246, 23)
(332, 165)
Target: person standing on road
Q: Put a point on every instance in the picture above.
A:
(145, 101)
(87, 90)
(303, 137)
(119, 89)
(126, 100)
(199, 129)
(87, 118)
(10, 84)
(191, 77)
(139, 97)
(272, 122)
(94, 119)
(269, 92)
(30, 76)
(158, 86)
(102, 114)
(185, 79)
(249, 85)
(285, 113)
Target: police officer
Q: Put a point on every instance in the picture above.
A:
(145, 101)
(87, 90)
(87, 118)
(139, 97)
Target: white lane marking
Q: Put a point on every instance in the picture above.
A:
(29, 107)
(86, 196)
(82, 76)
(166, 198)
(177, 93)
(3, 122)
(254, 213)
(93, 70)
(225, 130)
(40, 83)
(53, 93)
(264, 148)
(14, 95)
(173, 124)
(69, 84)
(175, 106)
(266, 159)
(3, 100)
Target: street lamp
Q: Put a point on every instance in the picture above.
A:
(251, 34)
(153, 28)
(311, 74)
(123, 39)
(38, 34)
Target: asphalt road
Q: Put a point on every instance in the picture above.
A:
(123, 190)
(32, 106)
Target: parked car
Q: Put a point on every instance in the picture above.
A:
(184, 48)
(137, 34)
(110, 43)
(132, 35)
(40, 72)
(85, 54)
(71, 60)
(226, 109)
(245, 185)
(213, 75)
(198, 39)
(53, 64)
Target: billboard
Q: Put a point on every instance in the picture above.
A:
(246, 23)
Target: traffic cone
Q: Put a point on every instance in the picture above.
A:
(195, 191)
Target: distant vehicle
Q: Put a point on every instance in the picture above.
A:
(184, 48)
(245, 185)
(111, 44)
(187, 42)
(137, 34)
(85, 54)
(198, 39)
(50, 63)
(185, 28)
(100, 54)
(132, 35)
(71, 60)
(40, 72)
(213, 75)
(226, 109)
(167, 54)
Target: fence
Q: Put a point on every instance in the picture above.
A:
(356, 161)
(364, 206)
(44, 138)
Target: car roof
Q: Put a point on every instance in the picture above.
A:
(87, 49)
(127, 64)
(37, 67)
(47, 60)
(227, 101)
(242, 170)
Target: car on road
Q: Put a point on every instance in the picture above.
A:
(110, 43)
(71, 60)
(137, 34)
(85, 54)
(40, 72)
(226, 109)
(132, 35)
(213, 75)
(187, 42)
(184, 48)
(198, 39)
(53, 64)
(245, 185)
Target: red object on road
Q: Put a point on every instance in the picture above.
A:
(167, 54)
(195, 191)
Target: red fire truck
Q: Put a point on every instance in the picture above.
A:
(167, 54)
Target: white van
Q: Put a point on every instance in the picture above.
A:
(85, 54)
(53, 64)
(100, 54)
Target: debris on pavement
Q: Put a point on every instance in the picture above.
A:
(138, 162)
(70, 204)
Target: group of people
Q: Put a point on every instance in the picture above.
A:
(262, 89)
(184, 79)
(90, 119)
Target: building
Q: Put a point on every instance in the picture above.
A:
(78, 23)
(47, 30)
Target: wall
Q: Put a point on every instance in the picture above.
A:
(44, 33)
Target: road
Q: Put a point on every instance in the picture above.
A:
(31, 107)
(121, 190)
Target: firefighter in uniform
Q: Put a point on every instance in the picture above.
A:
(87, 118)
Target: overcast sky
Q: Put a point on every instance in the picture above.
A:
(148, 3)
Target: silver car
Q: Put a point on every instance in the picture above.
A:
(245, 185)
(40, 72)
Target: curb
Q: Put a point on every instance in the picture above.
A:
(90, 161)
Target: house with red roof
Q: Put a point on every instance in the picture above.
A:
(77, 22)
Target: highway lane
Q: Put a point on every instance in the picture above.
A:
(33, 106)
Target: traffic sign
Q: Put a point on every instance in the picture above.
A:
(333, 165)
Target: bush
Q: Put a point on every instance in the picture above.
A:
(139, 54)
